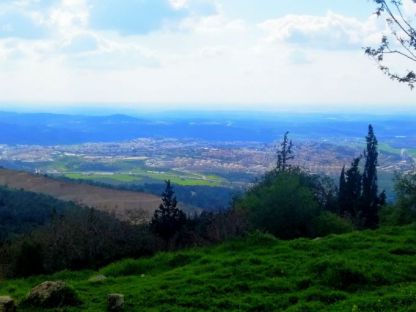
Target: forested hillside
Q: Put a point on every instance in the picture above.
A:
(22, 212)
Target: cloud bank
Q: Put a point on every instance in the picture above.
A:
(186, 53)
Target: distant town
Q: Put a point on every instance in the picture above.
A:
(190, 161)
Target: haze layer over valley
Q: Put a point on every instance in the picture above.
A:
(227, 150)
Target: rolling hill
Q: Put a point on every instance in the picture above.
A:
(123, 204)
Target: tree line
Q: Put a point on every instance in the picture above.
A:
(290, 202)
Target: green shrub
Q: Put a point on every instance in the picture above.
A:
(125, 267)
(329, 223)
(161, 262)
(261, 238)
(404, 211)
(399, 214)
(281, 205)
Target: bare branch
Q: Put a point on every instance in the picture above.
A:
(400, 53)
(403, 40)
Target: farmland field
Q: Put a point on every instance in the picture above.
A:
(110, 200)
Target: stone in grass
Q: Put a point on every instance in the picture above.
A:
(97, 279)
(52, 295)
(7, 304)
(115, 302)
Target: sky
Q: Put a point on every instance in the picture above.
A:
(196, 54)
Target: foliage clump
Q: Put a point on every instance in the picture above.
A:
(404, 210)
(289, 202)
(282, 205)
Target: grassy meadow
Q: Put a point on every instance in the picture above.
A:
(139, 177)
(358, 271)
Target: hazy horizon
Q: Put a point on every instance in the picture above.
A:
(110, 109)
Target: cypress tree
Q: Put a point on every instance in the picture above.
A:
(358, 193)
(353, 187)
(370, 199)
(342, 193)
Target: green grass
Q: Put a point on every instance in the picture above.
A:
(141, 175)
(360, 271)
(124, 171)
(389, 149)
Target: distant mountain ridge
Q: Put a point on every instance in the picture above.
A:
(60, 129)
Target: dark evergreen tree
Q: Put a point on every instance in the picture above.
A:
(284, 154)
(342, 200)
(370, 200)
(168, 220)
(351, 195)
(358, 195)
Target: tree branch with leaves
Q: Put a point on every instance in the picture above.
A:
(400, 42)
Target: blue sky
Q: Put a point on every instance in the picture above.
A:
(266, 9)
(266, 54)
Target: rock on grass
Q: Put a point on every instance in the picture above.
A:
(7, 304)
(52, 295)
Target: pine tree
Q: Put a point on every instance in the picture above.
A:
(168, 219)
(284, 154)
(370, 200)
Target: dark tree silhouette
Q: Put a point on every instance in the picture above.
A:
(350, 190)
(400, 42)
(358, 196)
(168, 219)
(284, 154)
(370, 198)
(342, 193)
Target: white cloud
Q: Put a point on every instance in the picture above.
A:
(410, 8)
(205, 7)
(81, 42)
(205, 57)
(333, 31)
(212, 24)
(69, 17)
(178, 4)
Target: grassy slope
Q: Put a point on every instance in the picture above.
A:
(389, 149)
(361, 271)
